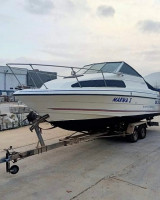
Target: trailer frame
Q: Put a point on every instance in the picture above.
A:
(74, 138)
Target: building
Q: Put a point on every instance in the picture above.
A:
(9, 82)
(13, 78)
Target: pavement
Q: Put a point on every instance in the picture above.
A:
(104, 169)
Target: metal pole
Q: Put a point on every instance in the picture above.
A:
(104, 78)
(74, 74)
(5, 74)
(7, 161)
(14, 74)
(39, 135)
(32, 79)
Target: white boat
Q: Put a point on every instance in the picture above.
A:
(95, 97)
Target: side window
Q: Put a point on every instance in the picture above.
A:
(91, 83)
(115, 83)
(100, 83)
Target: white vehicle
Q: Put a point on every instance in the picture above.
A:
(97, 96)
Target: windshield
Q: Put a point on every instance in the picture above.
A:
(83, 70)
(110, 67)
(107, 67)
(95, 68)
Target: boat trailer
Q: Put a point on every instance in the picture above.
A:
(14, 156)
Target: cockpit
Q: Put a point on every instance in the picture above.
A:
(108, 67)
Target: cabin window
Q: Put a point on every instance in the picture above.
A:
(126, 69)
(100, 83)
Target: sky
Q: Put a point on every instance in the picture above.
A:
(79, 32)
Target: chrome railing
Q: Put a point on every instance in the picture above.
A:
(73, 72)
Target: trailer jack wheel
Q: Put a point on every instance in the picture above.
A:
(14, 169)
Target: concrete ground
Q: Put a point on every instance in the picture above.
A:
(110, 169)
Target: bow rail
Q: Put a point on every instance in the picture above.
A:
(73, 72)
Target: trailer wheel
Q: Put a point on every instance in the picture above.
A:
(142, 132)
(14, 169)
(133, 137)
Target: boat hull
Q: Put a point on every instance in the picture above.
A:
(101, 124)
(84, 112)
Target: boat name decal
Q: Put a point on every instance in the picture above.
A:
(122, 99)
(157, 102)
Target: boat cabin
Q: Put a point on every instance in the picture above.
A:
(109, 67)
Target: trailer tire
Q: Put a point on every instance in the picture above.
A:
(142, 132)
(133, 137)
